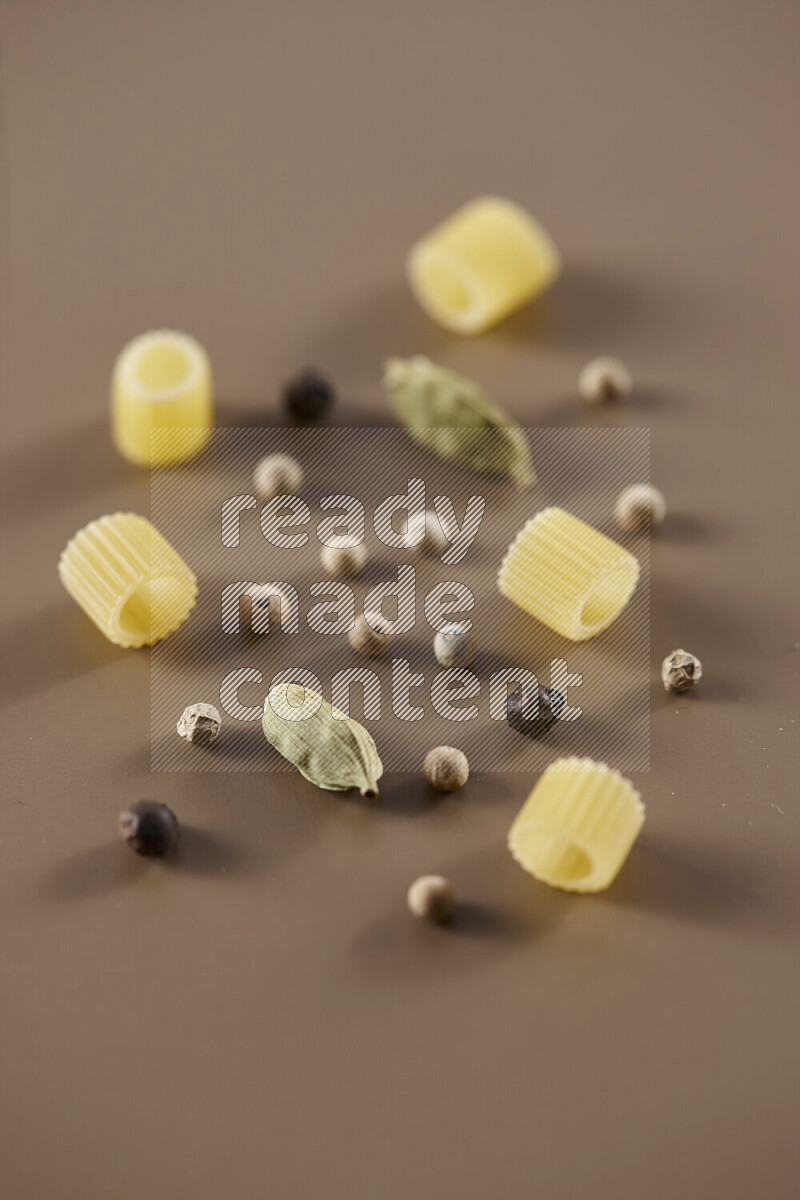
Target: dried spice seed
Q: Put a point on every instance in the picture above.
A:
(329, 749)
(200, 723)
(533, 720)
(432, 898)
(434, 540)
(341, 560)
(681, 671)
(308, 397)
(455, 646)
(277, 475)
(272, 607)
(454, 418)
(149, 828)
(640, 507)
(371, 634)
(604, 378)
(446, 768)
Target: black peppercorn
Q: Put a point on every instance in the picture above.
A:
(149, 828)
(308, 396)
(533, 720)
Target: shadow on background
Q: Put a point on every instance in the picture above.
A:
(113, 865)
(569, 409)
(583, 308)
(389, 321)
(64, 644)
(588, 306)
(42, 475)
(696, 883)
(685, 529)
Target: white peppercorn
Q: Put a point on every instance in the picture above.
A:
(640, 507)
(604, 378)
(446, 768)
(680, 671)
(435, 540)
(432, 898)
(271, 607)
(200, 723)
(341, 559)
(277, 475)
(372, 634)
(454, 646)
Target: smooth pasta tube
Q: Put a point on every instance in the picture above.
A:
(128, 579)
(567, 575)
(161, 382)
(481, 264)
(578, 825)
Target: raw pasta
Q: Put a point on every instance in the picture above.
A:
(567, 575)
(578, 825)
(128, 579)
(481, 264)
(161, 399)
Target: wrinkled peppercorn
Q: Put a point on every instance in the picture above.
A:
(681, 671)
(519, 711)
(200, 723)
(308, 396)
(149, 828)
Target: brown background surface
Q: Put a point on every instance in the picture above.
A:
(264, 1018)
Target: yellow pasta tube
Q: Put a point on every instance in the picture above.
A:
(128, 579)
(481, 264)
(567, 575)
(578, 825)
(161, 381)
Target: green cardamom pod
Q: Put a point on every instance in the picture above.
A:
(330, 749)
(455, 418)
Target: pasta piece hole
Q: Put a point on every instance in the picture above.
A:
(555, 859)
(151, 610)
(605, 599)
(162, 366)
(448, 293)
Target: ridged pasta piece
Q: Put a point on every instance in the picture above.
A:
(128, 579)
(481, 264)
(161, 385)
(567, 575)
(578, 825)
